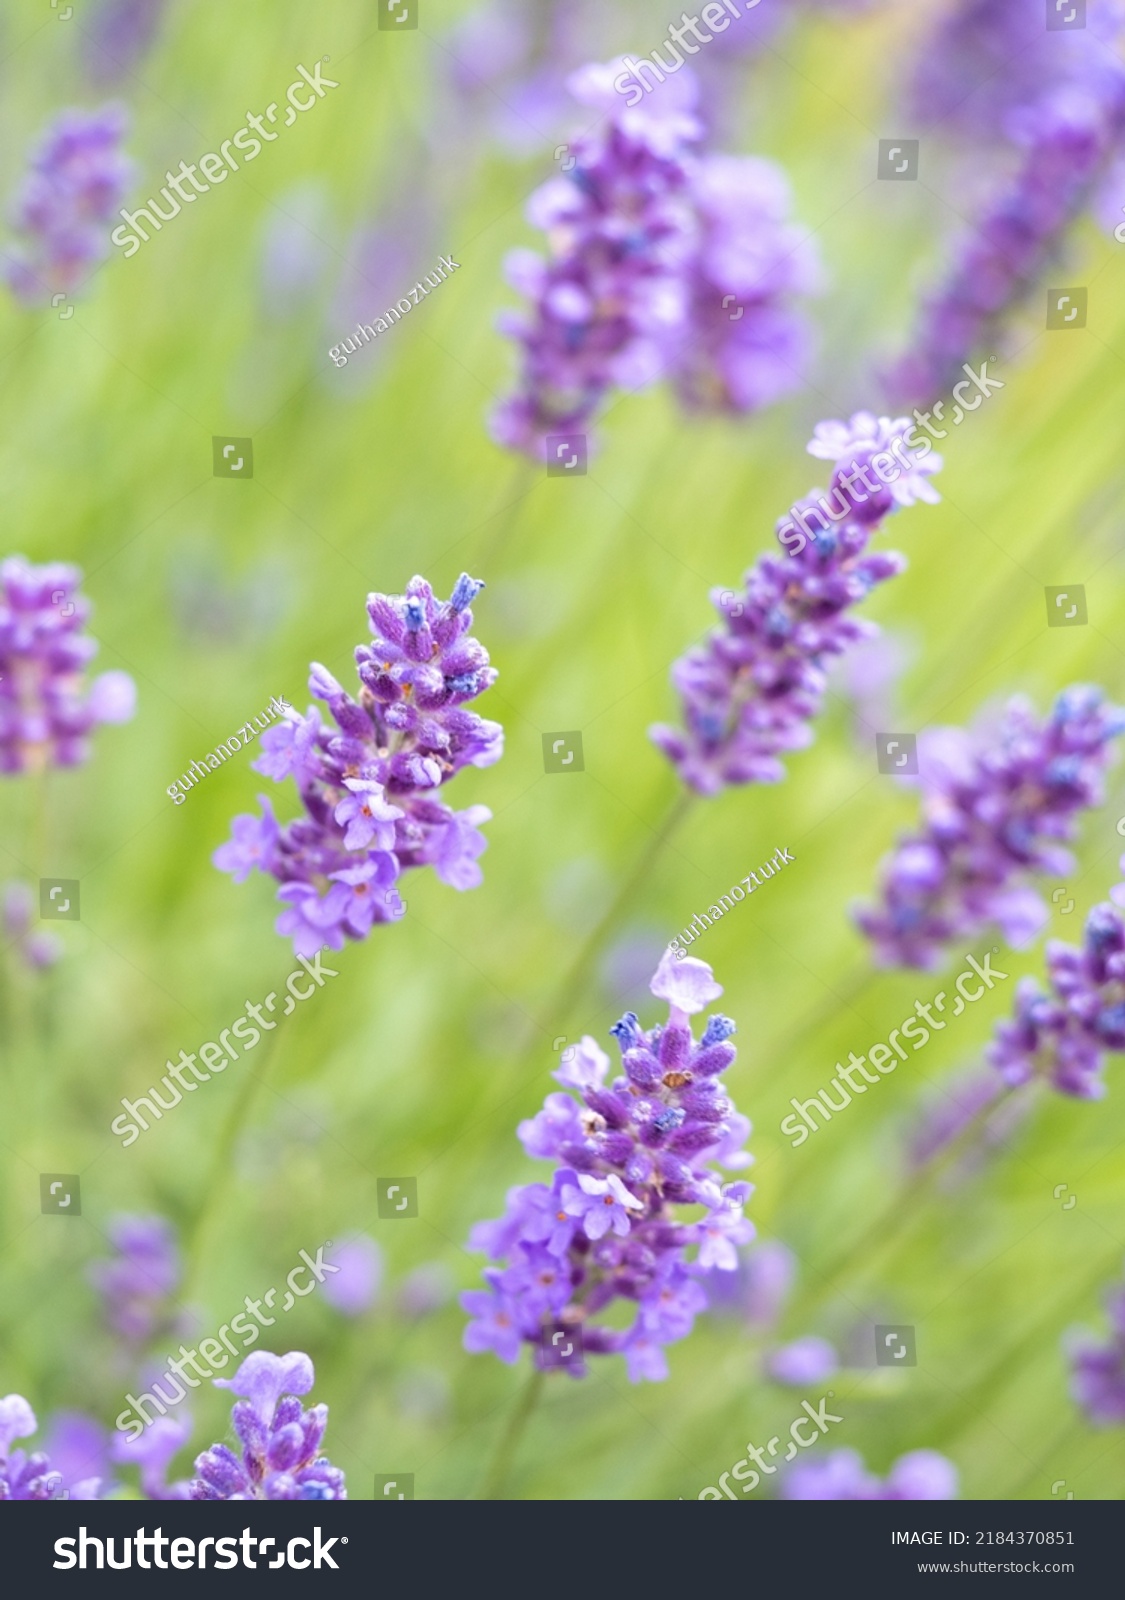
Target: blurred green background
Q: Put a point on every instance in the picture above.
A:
(437, 1036)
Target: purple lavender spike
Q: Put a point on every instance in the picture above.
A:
(77, 180)
(138, 1284)
(627, 1153)
(29, 1477)
(1064, 1036)
(280, 1457)
(369, 786)
(119, 34)
(47, 710)
(750, 692)
(997, 808)
(1097, 1380)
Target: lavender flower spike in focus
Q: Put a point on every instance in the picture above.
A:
(47, 710)
(77, 180)
(1097, 1380)
(998, 805)
(1064, 1036)
(280, 1457)
(370, 785)
(627, 1154)
(751, 690)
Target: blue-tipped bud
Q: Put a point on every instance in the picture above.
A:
(465, 591)
(718, 1028)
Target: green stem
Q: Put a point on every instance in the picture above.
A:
(507, 519)
(501, 1465)
(578, 976)
(218, 1176)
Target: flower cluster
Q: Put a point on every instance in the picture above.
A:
(662, 264)
(280, 1441)
(750, 691)
(1068, 144)
(1064, 1036)
(29, 1477)
(841, 1475)
(137, 1283)
(1097, 1381)
(605, 1228)
(46, 708)
(77, 181)
(997, 806)
(369, 786)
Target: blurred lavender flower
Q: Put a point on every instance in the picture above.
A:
(743, 346)
(38, 949)
(77, 180)
(295, 252)
(650, 245)
(1068, 142)
(78, 1449)
(425, 1290)
(605, 1229)
(508, 66)
(1064, 1036)
(997, 806)
(23, 1476)
(46, 708)
(804, 1361)
(751, 690)
(951, 1112)
(138, 1283)
(118, 34)
(369, 786)
(1097, 1381)
(989, 62)
(359, 1271)
(758, 1287)
(841, 1475)
(153, 1451)
(280, 1441)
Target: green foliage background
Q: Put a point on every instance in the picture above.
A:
(437, 1036)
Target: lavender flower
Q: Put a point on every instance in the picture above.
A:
(1097, 1380)
(1064, 1036)
(119, 34)
(997, 807)
(989, 62)
(39, 949)
(153, 1451)
(841, 1475)
(137, 1284)
(751, 690)
(605, 1228)
(78, 1450)
(804, 1361)
(650, 245)
(280, 1441)
(46, 708)
(24, 1477)
(77, 180)
(1068, 141)
(369, 785)
(743, 345)
(353, 1286)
